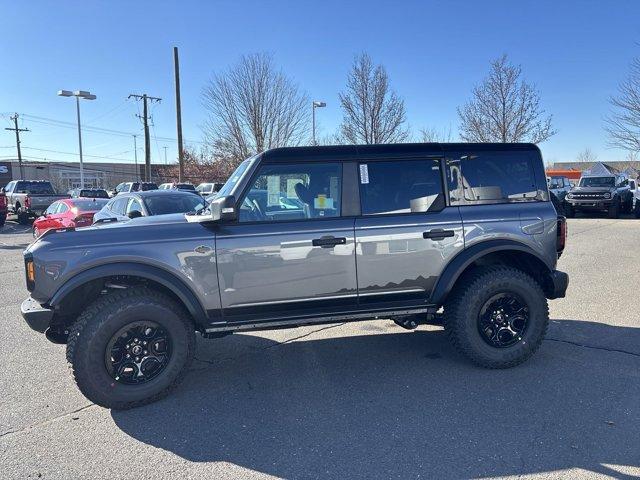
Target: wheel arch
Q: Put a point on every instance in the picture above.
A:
(157, 277)
(492, 252)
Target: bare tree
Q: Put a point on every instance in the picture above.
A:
(623, 125)
(372, 113)
(504, 108)
(587, 156)
(253, 107)
(433, 135)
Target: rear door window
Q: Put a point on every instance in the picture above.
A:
(401, 186)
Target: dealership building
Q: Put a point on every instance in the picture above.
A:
(66, 175)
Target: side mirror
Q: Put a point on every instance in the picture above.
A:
(134, 214)
(223, 209)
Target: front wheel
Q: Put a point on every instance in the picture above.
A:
(130, 348)
(614, 210)
(497, 317)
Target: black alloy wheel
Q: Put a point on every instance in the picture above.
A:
(503, 320)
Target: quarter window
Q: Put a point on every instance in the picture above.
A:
(402, 186)
(492, 177)
(293, 192)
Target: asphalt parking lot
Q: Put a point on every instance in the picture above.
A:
(362, 400)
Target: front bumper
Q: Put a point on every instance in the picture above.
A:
(557, 284)
(595, 204)
(36, 316)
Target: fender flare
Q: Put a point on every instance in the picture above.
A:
(460, 262)
(167, 279)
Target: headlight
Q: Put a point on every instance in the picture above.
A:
(569, 195)
(607, 195)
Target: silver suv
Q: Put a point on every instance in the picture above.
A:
(462, 235)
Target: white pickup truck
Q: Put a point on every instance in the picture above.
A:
(30, 198)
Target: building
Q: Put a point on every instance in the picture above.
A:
(66, 175)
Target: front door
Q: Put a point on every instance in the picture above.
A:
(290, 254)
(406, 235)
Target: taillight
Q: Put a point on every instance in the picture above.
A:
(30, 272)
(27, 202)
(561, 234)
(3, 201)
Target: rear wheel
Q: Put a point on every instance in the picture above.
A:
(130, 348)
(496, 316)
(3, 219)
(636, 210)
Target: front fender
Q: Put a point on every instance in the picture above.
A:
(155, 274)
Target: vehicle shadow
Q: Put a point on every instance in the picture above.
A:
(402, 405)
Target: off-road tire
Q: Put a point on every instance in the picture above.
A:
(3, 219)
(91, 333)
(614, 209)
(636, 210)
(462, 309)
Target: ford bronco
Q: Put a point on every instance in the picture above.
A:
(461, 235)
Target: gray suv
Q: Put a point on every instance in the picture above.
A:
(461, 235)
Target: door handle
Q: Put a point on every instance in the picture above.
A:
(438, 234)
(328, 242)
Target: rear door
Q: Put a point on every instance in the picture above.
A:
(407, 232)
(291, 253)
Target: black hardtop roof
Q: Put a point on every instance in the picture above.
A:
(339, 152)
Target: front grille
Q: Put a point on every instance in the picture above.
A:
(588, 196)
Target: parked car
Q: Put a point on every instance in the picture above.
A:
(606, 193)
(69, 213)
(208, 189)
(126, 187)
(484, 249)
(635, 192)
(152, 202)
(88, 193)
(30, 198)
(3, 207)
(178, 186)
(560, 186)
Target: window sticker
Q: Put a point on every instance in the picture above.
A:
(364, 174)
(321, 202)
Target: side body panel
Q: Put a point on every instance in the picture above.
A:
(273, 269)
(396, 263)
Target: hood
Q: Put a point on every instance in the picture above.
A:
(144, 229)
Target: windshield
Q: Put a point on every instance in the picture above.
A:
(234, 178)
(36, 188)
(89, 205)
(597, 182)
(166, 204)
(93, 194)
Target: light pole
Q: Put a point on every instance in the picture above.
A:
(87, 96)
(316, 104)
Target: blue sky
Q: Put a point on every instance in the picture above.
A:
(575, 52)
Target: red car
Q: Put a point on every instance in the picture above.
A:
(70, 212)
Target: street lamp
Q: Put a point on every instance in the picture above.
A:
(316, 104)
(87, 96)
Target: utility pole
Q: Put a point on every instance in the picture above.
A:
(145, 120)
(176, 67)
(135, 156)
(165, 155)
(18, 130)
